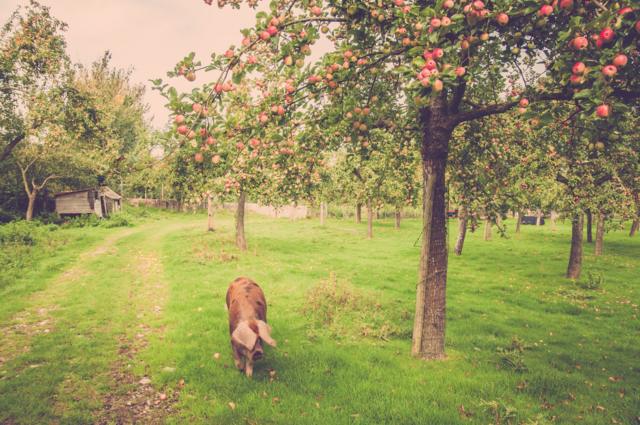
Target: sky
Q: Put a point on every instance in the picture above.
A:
(147, 36)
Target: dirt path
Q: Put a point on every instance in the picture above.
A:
(114, 297)
(37, 318)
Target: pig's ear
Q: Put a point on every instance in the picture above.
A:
(245, 335)
(264, 331)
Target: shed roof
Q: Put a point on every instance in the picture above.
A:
(69, 192)
(106, 191)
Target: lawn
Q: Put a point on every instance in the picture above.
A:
(136, 329)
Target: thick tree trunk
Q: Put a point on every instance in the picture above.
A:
(32, 202)
(358, 213)
(398, 217)
(538, 217)
(589, 226)
(474, 222)
(369, 219)
(210, 213)
(462, 230)
(575, 257)
(487, 229)
(429, 324)
(599, 234)
(322, 215)
(635, 225)
(241, 241)
(519, 222)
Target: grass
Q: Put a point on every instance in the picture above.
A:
(524, 344)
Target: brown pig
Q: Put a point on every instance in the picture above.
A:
(247, 323)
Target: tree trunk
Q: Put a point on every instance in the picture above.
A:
(462, 230)
(538, 217)
(358, 213)
(241, 241)
(429, 324)
(519, 222)
(210, 213)
(474, 223)
(599, 234)
(369, 219)
(575, 258)
(589, 226)
(321, 213)
(635, 225)
(398, 217)
(32, 201)
(487, 229)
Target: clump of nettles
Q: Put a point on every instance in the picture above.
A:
(336, 307)
(511, 356)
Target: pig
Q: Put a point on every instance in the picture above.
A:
(247, 323)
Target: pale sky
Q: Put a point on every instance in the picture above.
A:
(149, 36)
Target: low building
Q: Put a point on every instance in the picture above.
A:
(101, 202)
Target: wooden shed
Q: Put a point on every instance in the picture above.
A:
(101, 202)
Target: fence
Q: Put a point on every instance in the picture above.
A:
(168, 204)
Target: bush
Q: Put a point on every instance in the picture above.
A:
(117, 220)
(85, 220)
(21, 233)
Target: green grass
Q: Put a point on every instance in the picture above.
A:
(524, 344)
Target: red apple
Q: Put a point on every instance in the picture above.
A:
(607, 34)
(502, 18)
(316, 11)
(240, 146)
(460, 71)
(183, 129)
(524, 102)
(438, 85)
(264, 35)
(448, 4)
(196, 107)
(446, 21)
(609, 70)
(218, 88)
(430, 65)
(566, 4)
(435, 23)
(438, 53)
(580, 43)
(198, 157)
(272, 30)
(190, 76)
(620, 60)
(575, 79)
(215, 159)
(211, 141)
(545, 10)
(578, 68)
(602, 111)
(179, 119)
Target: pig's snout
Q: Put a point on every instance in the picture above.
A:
(257, 354)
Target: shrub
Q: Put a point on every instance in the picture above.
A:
(116, 220)
(21, 233)
(343, 311)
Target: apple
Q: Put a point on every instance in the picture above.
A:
(578, 68)
(502, 19)
(637, 26)
(179, 119)
(435, 23)
(566, 4)
(545, 10)
(445, 21)
(254, 143)
(609, 70)
(460, 71)
(607, 34)
(218, 88)
(190, 76)
(272, 30)
(211, 141)
(603, 111)
(438, 85)
(264, 35)
(196, 107)
(580, 43)
(203, 132)
(448, 4)
(430, 65)
(398, 3)
(620, 60)
(191, 134)
(316, 11)
(198, 157)
(478, 5)
(524, 102)
(240, 146)
(183, 129)
(438, 53)
(575, 79)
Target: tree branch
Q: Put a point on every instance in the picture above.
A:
(12, 144)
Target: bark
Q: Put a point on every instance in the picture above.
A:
(398, 217)
(358, 213)
(635, 225)
(474, 224)
(462, 230)
(369, 219)
(241, 241)
(32, 201)
(321, 213)
(518, 221)
(210, 214)
(487, 229)
(538, 217)
(429, 324)
(600, 234)
(589, 226)
(575, 257)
